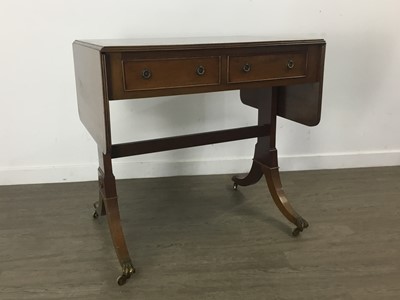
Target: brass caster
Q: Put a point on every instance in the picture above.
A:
(121, 280)
(127, 271)
(297, 231)
(235, 186)
(301, 225)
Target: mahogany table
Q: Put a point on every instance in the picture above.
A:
(278, 78)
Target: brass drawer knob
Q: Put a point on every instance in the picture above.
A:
(200, 70)
(146, 74)
(290, 64)
(246, 68)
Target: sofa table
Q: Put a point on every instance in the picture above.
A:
(278, 78)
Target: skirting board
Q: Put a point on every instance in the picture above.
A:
(123, 170)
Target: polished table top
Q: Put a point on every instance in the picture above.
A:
(109, 45)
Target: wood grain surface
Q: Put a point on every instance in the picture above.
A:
(196, 238)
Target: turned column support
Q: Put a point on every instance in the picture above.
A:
(265, 160)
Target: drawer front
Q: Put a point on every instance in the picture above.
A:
(267, 67)
(151, 74)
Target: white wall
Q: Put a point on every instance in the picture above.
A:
(42, 139)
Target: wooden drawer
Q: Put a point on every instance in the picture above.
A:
(264, 67)
(151, 74)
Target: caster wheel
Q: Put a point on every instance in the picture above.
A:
(95, 215)
(296, 232)
(121, 280)
(235, 186)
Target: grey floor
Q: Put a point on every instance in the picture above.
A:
(196, 238)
